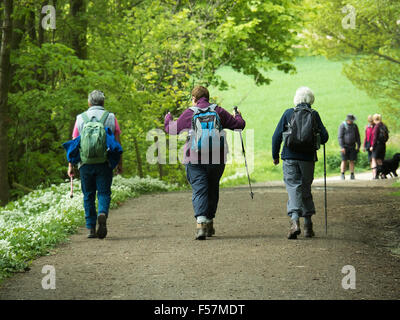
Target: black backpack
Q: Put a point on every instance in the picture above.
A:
(383, 136)
(302, 134)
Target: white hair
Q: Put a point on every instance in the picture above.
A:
(96, 98)
(303, 95)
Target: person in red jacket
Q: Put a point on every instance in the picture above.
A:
(368, 139)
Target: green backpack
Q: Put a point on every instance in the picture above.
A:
(93, 147)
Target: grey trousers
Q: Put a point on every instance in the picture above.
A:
(298, 176)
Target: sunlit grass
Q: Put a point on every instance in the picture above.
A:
(335, 97)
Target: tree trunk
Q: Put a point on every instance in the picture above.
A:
(138, 158)
(79, 41)
(31, 25)
(54, 31)
(79, 32)
(159, 166)
(5, 79)
(18, 32)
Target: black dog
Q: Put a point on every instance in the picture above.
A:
(389, 167)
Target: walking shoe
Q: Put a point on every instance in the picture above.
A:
(201, 231)
(342, 176)
(102, 222)
(210, 229)
(294, 230)
(92, 233)
(352, 177)
(308, 231)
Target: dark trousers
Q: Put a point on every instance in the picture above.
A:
(95, 177)
(204, 179)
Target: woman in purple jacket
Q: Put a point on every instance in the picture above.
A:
(203, 174)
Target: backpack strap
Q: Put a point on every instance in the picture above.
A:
(212, 107)
(194, 109)
(85, 117)
(104, 117)
(197, 109)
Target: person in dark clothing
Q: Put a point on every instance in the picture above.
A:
(350, 143)
(298, 167)
(378, 147)
(202, 174)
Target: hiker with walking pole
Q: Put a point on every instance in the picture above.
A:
(96, 150)
(205, 153)
(302, 131)
(245, 160)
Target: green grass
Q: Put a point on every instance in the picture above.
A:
(335, 97)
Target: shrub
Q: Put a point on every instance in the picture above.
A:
(45, 217)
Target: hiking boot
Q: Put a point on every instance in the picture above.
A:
(92, 233)
(352, 177)
(294, 230)
(102, 222)
(210, 229)
(342, 176)
(308, 231)
(201, 231)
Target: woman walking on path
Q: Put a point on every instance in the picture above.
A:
(95, 170)
(204, 169)
(299, 165)
(350, 142)
(380, 135)
(368, 139)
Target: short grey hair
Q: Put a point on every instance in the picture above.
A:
(303, 95)
(96, 98)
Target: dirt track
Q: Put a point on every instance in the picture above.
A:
(150, 251)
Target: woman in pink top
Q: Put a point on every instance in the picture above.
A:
(368, 138)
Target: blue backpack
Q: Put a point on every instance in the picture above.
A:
(206, 129)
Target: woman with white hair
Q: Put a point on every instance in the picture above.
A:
(299, 162)
(380, 135)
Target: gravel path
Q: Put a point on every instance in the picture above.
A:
(150, 251)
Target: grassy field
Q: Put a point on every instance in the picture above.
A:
(335, 97)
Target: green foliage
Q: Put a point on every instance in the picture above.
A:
(333, 161)
(373, 46)
(46, 84)
(263, 106)
(146, 56)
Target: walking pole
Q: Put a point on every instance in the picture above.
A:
(72, 189)
(245, 161)
(326, 203)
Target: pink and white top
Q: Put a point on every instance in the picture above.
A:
(96, 112)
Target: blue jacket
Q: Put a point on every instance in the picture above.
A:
(113, 147)
(72, 148)
(288, 154)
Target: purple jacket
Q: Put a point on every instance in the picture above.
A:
(184, 123)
